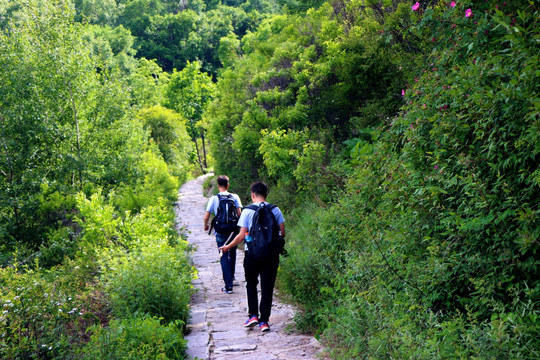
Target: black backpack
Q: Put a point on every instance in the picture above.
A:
(264, 232)
(227, 215)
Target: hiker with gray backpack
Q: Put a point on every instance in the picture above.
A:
(262, 229)
(226, 208)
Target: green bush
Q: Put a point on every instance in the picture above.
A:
(431, 244)
(168, 131)
(155, 280)
(136, 338)
(155, 182)
(42, 319)
(61, 244)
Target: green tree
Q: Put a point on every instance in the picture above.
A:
(62, 121)
(303, 82)
(102, 12)
(188, 93)
(112, 46)
(166, 39)
(147, 83)
(168, 131)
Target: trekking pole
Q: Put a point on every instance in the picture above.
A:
(226, 243)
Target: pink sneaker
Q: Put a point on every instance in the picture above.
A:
(264, 326)
(252, 321)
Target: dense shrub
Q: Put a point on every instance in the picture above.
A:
(168, 131)
(43, 316)
(304, 85)
(431, 251)
(136, 338)
(154, 182)
(154, 280)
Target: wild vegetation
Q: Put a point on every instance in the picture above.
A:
(401, 138)
(95, 139)
(404, 139)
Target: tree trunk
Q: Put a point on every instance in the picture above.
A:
(78, 133)
(198, 154)
(204, 151)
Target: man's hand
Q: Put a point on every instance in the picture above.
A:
(205, 221)
(224, 249)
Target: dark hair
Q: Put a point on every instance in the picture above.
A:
(223, 180)
(259, 188)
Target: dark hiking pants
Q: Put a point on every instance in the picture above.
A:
(267, 270)
(228, 261)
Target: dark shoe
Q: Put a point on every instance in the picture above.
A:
(228, 291)
(252, 321)
(264, 326)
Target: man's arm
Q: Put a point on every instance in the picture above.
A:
(237, 240)
(282, 229)
(239, 205)
(205, 221)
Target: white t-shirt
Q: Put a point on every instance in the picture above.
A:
(213, 203)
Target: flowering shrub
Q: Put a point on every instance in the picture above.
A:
(473, 157)
(40, 318)
(432, 250)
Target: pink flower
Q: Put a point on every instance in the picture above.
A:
(468, 13)
(436, 167)
(402, 92)
(453, 4)
(415, 6)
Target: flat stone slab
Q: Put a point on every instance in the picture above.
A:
(235, 348)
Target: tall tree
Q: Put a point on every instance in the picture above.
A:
(189, 92)
(63, 115)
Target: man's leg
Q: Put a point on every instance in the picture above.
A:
(251, 270)
(268, 279)
(225, 263)
(232, 259)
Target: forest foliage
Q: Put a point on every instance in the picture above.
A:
(403, 139)
(400, 138)
(97, 133)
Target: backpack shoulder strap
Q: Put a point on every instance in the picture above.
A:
(256, 207)
(271, 206)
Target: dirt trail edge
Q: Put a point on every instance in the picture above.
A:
(216, 319)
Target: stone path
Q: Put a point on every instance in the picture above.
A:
(216, 323)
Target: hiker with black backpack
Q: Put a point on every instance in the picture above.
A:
(226, 208)
(262, 229)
